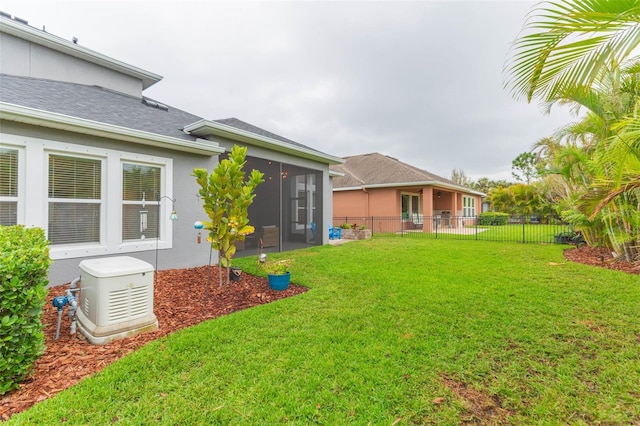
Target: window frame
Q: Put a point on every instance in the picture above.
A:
(32, 208)
(150, 201)
(468, 206)
(101, 201)
(306, 188)
(411, 198)
(21, 178)
(165, 240)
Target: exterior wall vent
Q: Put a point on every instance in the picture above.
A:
(116, 299)
(154, 104)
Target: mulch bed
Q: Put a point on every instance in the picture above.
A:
(71, 358)
(601, 257)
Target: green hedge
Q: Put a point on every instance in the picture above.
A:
(493, 218)
(24, 264)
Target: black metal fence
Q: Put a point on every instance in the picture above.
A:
(522, 229)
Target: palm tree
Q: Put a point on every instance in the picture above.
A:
(568, 44)
(598, 159)
(501, 200)
(582, 52)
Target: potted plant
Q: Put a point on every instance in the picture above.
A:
(564, 237)
(278, 273)
(355, 232)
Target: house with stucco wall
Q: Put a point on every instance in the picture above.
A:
(409, 198)
(102, 168)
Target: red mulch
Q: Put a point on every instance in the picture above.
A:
(601, 257)
(71, 358)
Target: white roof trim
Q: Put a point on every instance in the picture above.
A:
(333, 173)
(20, 114)
(424, 183)
(207, 127)
(42, 38)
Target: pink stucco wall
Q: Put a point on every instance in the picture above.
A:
(384, 202)
(387, 202)
(350, 203)
(372, 202)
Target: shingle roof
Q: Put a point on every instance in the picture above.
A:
(94, 103)
(239, 124)
(378, 169)
(107, 106)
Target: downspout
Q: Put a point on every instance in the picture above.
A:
(281, 209)
(368, 210)
(367, 207)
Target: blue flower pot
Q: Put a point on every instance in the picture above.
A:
(279, 282)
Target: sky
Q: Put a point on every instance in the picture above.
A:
(420, 81)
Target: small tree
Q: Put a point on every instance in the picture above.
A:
(484, 184)
(458, 176)
(227, 197)
(525, 167)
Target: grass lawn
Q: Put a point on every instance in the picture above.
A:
(393, 331)
(520, 232)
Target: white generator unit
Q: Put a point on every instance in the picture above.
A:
(116, 299)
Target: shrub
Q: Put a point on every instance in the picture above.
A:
(277, 267)
(493, 218)
(568, 237)
(23, 279)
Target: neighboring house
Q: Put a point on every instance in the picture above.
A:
(100, 167)
(375, 185)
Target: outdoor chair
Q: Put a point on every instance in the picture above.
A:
(313, 231)
(335, 233)
(417, 220)
(270, 236)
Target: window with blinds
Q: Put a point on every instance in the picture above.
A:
(75, 199)
(141, 189)
(8, 186)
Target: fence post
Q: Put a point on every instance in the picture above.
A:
(523, 223)
(477, 219)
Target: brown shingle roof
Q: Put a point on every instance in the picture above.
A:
(378, 169)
